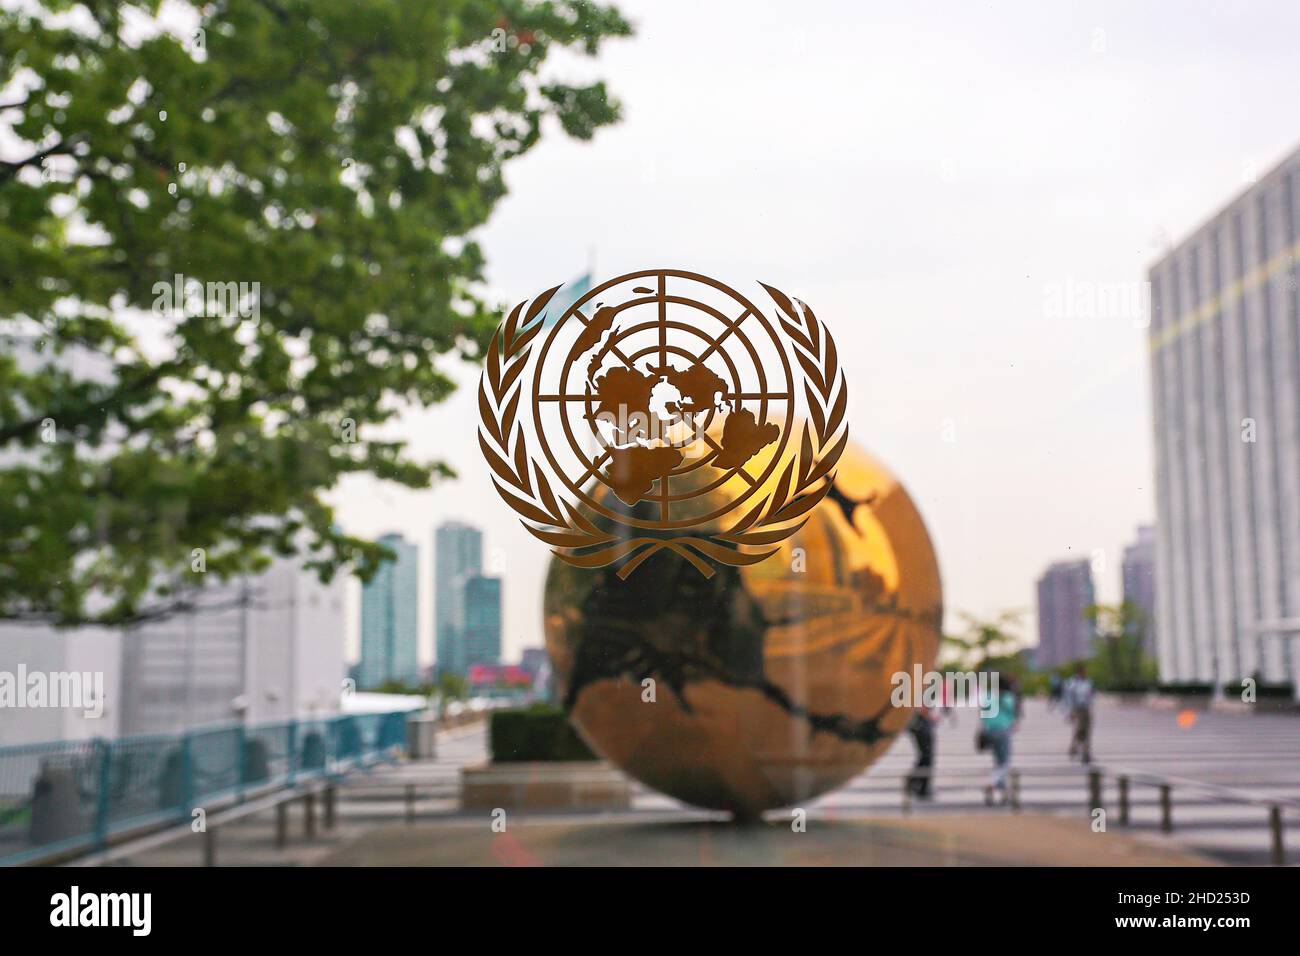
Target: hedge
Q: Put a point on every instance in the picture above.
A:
(540, 732)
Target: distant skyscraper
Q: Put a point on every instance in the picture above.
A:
(389, 618)
(1224, 339)
(1064, 634)
(482, 625)
(458, 556)
(1139, 573)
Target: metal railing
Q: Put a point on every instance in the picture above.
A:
(66, 797)
(1126, 780)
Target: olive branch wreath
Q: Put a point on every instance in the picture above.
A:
(579, 541)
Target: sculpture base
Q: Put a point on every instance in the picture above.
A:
(579, 785)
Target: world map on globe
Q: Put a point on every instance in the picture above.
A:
(636, 410)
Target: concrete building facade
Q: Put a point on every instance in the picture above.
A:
(1224, 348)
(1064, 634)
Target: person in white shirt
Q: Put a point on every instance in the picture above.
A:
(1077, 696)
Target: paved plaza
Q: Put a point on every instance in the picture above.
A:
(863, 822)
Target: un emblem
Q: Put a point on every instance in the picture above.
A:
(662, 410)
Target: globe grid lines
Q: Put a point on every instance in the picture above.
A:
(664, 495)
(663, 325)
(684, 468)
(737, 395)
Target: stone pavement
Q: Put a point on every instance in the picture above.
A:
(1259, 754)
(936, 840)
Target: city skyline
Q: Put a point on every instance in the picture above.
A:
(458, 549)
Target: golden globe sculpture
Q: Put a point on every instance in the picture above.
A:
(761, 686)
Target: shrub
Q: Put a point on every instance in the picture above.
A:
(540, 732)
(1284, 691)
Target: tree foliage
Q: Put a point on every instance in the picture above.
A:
(1120, 660)
(984, 640)
(337, 153)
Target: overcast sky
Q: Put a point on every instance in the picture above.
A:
(931, 178)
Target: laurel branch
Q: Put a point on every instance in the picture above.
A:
(577, 540)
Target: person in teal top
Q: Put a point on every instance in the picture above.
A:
(998, 719)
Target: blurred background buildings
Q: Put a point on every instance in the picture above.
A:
(1064, 593)
(467, 612)
(1225, 378)
(264, 648)
(389, 618)
(1138, 580)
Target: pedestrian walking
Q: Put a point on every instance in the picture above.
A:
(1077, 697)
(922, 729)
(999, 716)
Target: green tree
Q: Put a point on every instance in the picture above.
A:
(452, 687)
(337, 153)
(985, 642)
(1119, 660)
(400, 687)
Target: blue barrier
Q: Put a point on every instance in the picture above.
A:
(66, 796)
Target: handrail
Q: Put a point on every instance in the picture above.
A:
(1230, 793)
(1095, 775)
(66, 797)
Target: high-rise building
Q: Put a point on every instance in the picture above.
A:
(390, 618)
(264, 648)
(458, 556)
(1139, 580)
(1064, 633)
(481, 631)
(267, 647)
(93, 654)
(1225, 377)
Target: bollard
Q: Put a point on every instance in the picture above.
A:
(1094, 790)
(281, 824)
(210, 846)
(1123, 801)
(1166, 808)
(331, 793)
(309, 814)
(907, 796)
(410, 803)
(1275, 824)
(1015, 791)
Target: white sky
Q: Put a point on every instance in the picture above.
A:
(921, 174)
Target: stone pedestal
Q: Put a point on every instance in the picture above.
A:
(584, 785)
